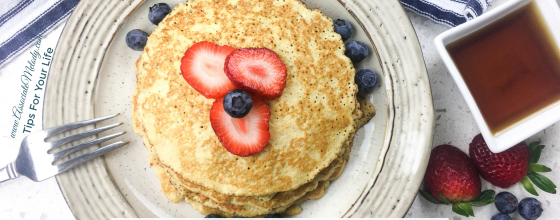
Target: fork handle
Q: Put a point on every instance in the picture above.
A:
(8, 173)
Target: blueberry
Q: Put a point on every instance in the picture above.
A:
(212, 216)
(366, 81)
(501, 216)
(237, 216)
(274, 216)
(506, 202)
(530, 208)
(356, 51)
(136, 39)
(237, 103)
(343, 28)
(158, 12)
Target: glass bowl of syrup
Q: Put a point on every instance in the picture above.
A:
(506, 63)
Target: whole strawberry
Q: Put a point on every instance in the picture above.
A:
(451, 173)
(511, 166)
(452, 178)
(503, 169)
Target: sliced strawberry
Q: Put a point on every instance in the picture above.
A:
(258, 71)
(241, 136)
(203, 68)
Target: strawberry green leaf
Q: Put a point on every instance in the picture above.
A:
(458, 210)
(528, 186)
(534, 145)
(486, 197)
(467, 208)
(539, 168)
(429, 197)
(535, 150)
(443, 199)
(542, 182)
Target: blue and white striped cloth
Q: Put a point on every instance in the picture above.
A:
(22, 21)
(448, 12)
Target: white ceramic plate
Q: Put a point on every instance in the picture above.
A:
(92, 75)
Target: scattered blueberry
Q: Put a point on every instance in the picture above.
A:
(343, 28)
(136, 39)
(530, 208)
(274, 216)
(356, 51)
(501, 216)
(506, 202)
(366, 81)
(158, 12)
(237, 216)
(212, 216)
(237, 103)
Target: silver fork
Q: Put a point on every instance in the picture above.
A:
(35, 161)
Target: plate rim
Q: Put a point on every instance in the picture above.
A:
(352, 6)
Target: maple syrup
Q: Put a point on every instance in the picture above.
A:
(511, 67)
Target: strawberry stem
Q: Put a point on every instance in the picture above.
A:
(459, 211)
(535, 151)
(443, 199)
(429, 197)
(462, 208)
(539, 180)
(542, 182)
(539, 168)
(486, 197)
(467, 208)
(528, 186)
(534, 145)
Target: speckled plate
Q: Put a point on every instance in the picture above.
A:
(92, 75)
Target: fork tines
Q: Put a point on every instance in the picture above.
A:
(88, 156)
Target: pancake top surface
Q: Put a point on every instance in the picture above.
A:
(309, 123)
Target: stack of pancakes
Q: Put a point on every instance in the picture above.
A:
(312, 124)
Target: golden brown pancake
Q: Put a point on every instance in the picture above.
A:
(250, 206)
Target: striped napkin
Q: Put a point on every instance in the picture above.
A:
(448, 12)
(21, 21)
